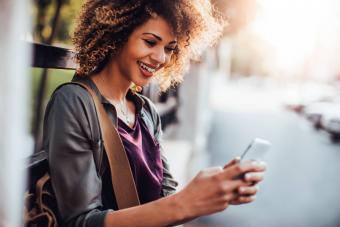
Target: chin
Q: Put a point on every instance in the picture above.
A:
(142, 82)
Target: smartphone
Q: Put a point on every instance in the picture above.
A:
(256, 150)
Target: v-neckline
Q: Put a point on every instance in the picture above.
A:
(133, 128)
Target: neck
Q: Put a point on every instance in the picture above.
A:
(111, 83)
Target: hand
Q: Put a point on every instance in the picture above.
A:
(247, 194)
(213, 189)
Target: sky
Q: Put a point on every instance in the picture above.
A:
(303, 34)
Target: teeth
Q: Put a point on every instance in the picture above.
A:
(147, 68)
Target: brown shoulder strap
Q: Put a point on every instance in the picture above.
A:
(39, 190)
(122, 179)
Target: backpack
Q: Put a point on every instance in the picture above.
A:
(40, 208)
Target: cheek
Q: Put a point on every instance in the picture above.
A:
(138, 50)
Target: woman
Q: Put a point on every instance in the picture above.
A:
(120, 44)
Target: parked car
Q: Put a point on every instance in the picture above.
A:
(315, 111)
(330, 122)
(299, 97)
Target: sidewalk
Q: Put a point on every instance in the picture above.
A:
(178, 153)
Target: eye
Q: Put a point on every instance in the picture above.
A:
(150, 43)
(170, 49)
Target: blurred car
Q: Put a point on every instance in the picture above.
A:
(330, 122)
(295, 107)
(315, 111)
(309, 95)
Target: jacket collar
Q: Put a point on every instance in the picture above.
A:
(131, 95)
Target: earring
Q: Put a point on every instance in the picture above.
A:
(135, 88)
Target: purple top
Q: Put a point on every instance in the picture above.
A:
(144, 157)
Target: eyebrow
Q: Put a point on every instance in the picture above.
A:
(157, 37)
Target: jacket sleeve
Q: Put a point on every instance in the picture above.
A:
(169, 184)
(68, 141)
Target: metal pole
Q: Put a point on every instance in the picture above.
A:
(14, 104)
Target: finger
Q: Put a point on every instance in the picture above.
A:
(211, 171)
(242, 199)
(233, 185)
(234, 202)
(227, 197)
(260, 166)
(232, 162)
(247, 191)
(240, 168)
(254, 177)
(246, 199)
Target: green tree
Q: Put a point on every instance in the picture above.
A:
(53, 21)
(56, 16)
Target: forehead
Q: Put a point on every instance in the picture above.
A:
(158, 26)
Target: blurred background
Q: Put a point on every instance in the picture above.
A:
(275, 75)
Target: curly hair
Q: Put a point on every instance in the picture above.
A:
(104, 26)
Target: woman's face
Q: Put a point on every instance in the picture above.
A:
(148, 49)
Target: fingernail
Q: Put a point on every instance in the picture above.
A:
(248, 176)
(242, 190)
(256, 164)
(262, 163)
(259, 163)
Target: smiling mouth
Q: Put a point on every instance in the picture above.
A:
(146, 67)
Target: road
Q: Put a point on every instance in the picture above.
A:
(302, 184)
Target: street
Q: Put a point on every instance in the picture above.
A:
(302, 184)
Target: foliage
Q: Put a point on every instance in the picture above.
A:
(43, 12)
(56, 77)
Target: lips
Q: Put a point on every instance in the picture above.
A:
(146, 69)
(145, 72)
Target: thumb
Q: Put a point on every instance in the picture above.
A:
(232, 162)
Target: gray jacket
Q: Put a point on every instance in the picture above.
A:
(73, 141)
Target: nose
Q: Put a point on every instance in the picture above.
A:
(159, 56)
